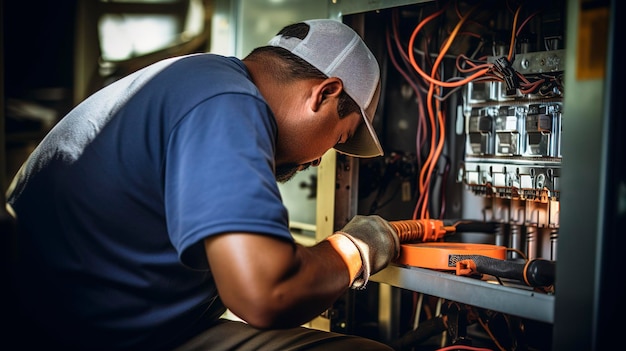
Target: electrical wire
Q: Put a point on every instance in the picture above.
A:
(431, 127)
(436, 124)
(519, 252)
(493, 338)
(446, 46)
(436, 143)
(521, 26)
(513, 34)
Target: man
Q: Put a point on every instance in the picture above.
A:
(153, 206)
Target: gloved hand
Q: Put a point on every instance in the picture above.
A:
(377, 242)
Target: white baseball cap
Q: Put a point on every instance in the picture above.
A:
(338, 51)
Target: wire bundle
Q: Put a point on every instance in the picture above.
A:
(430, 79)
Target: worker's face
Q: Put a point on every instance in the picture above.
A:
(309, 125)
(315, 140)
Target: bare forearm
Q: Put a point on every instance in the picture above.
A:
(274, 284)
(319, 278)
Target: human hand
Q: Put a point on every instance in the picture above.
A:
(377, 244)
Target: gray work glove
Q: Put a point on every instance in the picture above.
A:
(377, 242)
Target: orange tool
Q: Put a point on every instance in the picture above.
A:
(423, 230)
(419, 246)
(445, 256)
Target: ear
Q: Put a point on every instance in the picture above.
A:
(328, 88)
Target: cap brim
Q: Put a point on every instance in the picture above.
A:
(364, 142)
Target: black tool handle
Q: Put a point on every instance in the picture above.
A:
(535, 272)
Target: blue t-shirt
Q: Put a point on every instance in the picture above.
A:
(115, 202)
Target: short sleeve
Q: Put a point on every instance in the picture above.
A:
(219, 175)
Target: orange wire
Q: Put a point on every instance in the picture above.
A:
(440, 57)
(424, 190)
(449, 43)
(442, 132)
(513, 33)
(435, 151)
(423, 183)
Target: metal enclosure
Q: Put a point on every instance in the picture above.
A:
(537, 165)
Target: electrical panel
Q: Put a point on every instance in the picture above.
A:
(471, 119)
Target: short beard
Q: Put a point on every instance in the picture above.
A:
(288, 171)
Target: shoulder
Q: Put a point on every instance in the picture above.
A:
(211, 72)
